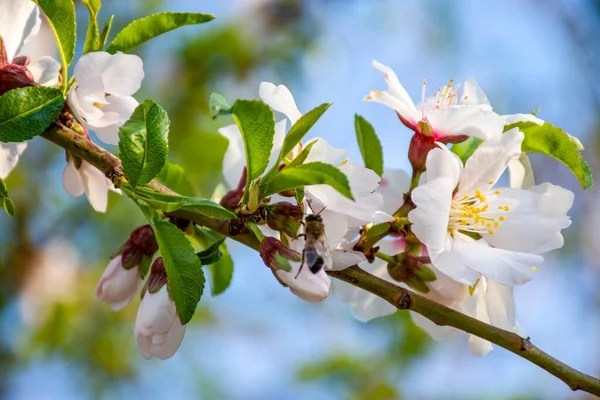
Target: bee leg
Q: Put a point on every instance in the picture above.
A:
(302, 235)
(301, 264)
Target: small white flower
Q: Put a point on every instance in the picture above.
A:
(158, 330)
(514, 225)
(101, 100)
(365, 305)
(443, 115)
(118, 285)
(19, 23)
(89, 180)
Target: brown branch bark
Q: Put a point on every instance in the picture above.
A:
(399, 297)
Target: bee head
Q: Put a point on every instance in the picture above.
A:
(313, 217)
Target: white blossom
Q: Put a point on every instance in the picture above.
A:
(19, 23)
(102, 97)
(515, 225)
(118, 285)
(89, 180)
(158, 330)
(445, 113)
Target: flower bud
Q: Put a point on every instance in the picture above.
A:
(158, 330)
(140, 247)
(158, 276)
(412, 270)
(13, 76)
(231, 200)
(284, 217)
(118, 285)
(277, 256)
(420, 145)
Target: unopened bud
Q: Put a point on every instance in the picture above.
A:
(277, 256)
(420, 145)
(21, 60)
(284, 217)
(253, 199)
(158, 276)
(412, 270)
(139, 248)
(231, 200)
(13, 76)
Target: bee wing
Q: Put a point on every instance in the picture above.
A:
(317, 255)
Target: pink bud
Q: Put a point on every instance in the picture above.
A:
(118, 285)
(158, 330)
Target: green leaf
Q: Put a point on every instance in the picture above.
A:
(256, 123)
(314, 173)
(552, 141)
(173, 176)
(300, 158)
(301, 128)
(8, 206)
(465, 149)
(60, 15)
(211, 254)
(219, 105)
(170, 203)
(143, 29)
(27, 112)
(92, 38)
(221, 272)
(105, 32)
(143, 142)
(185, 278)
(369, 144)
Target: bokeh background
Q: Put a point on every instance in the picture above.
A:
(257, 341)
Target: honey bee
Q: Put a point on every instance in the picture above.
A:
(316, 254)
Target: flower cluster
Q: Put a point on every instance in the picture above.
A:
(100, 98)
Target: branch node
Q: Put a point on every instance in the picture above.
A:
(405, 301)
(526, 344)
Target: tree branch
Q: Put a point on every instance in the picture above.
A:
(401, 298)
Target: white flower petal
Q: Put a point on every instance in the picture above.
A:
(9, 156)
(505, 267)
(95, 186)
(116, 112)
(513, 118)
(430, 218)
(123, 74)
(322, 151)
(464, 120)
(396, 96)
(19, 20)
(472, 95)
(479, 347)
(455, 266)
(45, 71)
(72, 181)
(234, 160)
(336, 226)
(535, 219)
(308, 286)
(500, 305)
(521, 172)
(88, 72)
(442, 163)
(394, 184)
(280, 99)
(343, 259)
(489, 161)
(118, 285)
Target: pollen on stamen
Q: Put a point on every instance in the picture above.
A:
(490, 182)
(491, 231)
(535, 269)
(497, 191)
(502, 218)
(96, 104)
